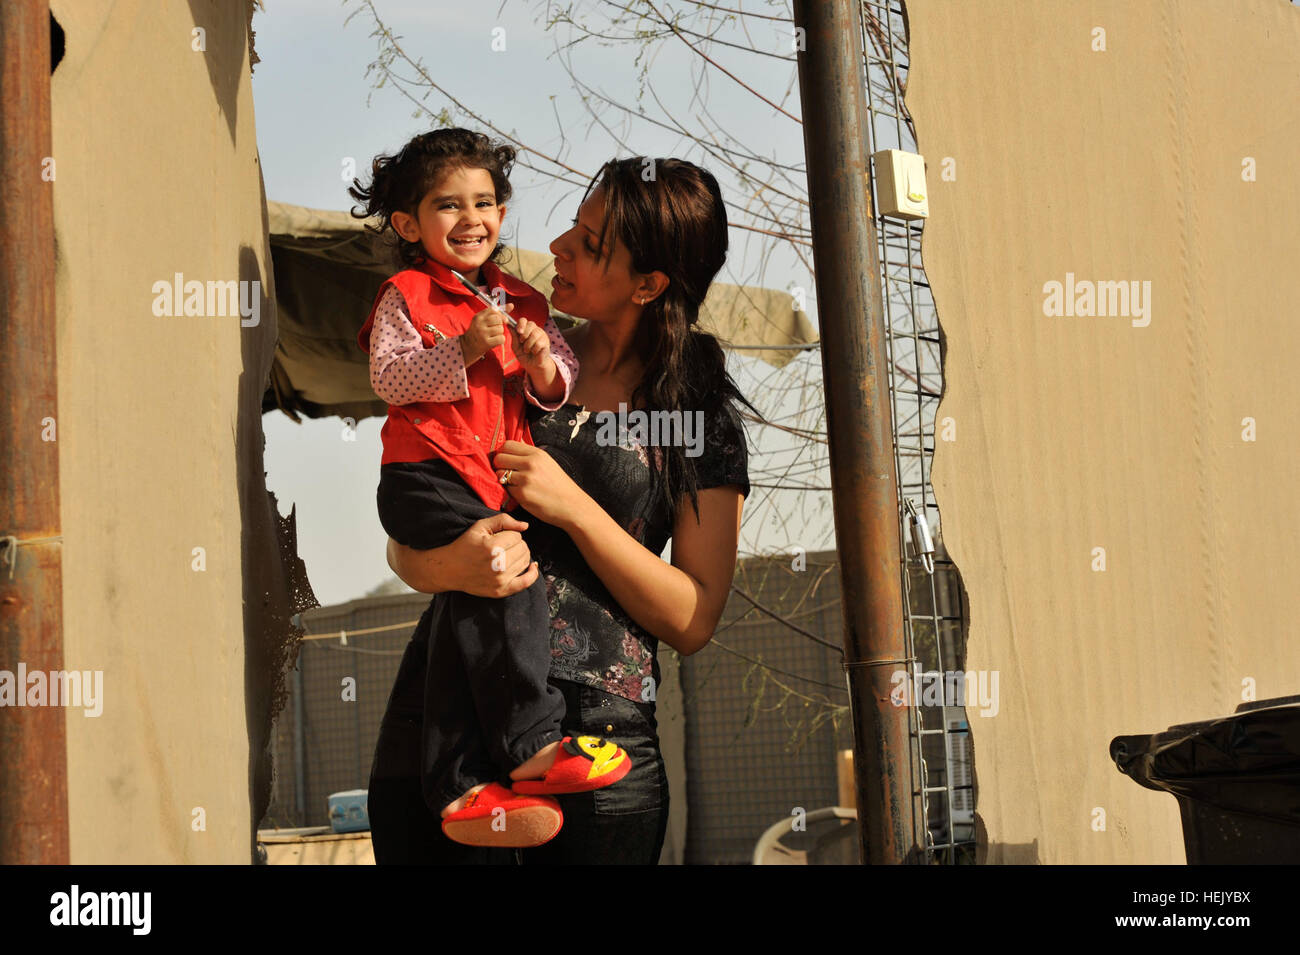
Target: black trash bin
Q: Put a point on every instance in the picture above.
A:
(1237, 781)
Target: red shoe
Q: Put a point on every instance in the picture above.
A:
(494, 816)
(583, 763)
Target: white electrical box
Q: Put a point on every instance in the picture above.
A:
(900, 184)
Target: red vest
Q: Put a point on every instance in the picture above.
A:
(464, 433)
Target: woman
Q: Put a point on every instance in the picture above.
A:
(647, 242)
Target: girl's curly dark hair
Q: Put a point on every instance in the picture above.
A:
(399, 182)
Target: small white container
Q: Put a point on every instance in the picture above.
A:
(900, 184)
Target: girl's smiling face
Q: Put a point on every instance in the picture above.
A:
(457, 222)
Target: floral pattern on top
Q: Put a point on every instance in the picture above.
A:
(593, 642)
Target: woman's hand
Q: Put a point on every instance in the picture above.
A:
(540, 485)
(490, 559)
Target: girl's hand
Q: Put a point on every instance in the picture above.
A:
(532, 347)
(486, 331)
(490, 559)
(540, 485)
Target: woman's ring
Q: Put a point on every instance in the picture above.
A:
(505, 478)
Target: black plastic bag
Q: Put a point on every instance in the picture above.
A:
(1237, 781)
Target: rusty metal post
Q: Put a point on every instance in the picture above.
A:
(33, 750)
(851, 317)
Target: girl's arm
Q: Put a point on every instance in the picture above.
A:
(402, 370)
(680, 603)
(488, 560)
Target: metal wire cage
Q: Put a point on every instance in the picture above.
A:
(935, 617)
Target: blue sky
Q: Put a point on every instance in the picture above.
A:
(315, 106)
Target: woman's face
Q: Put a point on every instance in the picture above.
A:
(584, 287)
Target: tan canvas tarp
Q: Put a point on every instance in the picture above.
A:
(328, 268)
(170, 567)
(1076, 433)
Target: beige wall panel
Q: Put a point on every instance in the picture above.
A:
(1074, 433)
(156, 174)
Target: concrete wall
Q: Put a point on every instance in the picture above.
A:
(159, 432)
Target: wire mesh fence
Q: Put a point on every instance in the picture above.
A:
(325, 737)
(766, 707)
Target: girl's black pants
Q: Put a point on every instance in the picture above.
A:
(486, 704)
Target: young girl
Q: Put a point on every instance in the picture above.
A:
(456, 387)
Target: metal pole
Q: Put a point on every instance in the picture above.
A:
(851, 316)
(33, 744)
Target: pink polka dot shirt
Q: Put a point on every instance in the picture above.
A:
(403, 371)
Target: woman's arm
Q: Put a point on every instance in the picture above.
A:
(680, 603)
(487, 560)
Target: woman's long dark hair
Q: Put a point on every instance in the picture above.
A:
(400, 181)
(669, 215)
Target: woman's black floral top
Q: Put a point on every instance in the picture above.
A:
(593, 641)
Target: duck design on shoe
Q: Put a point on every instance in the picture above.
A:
(495, 816)
(582, 764)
